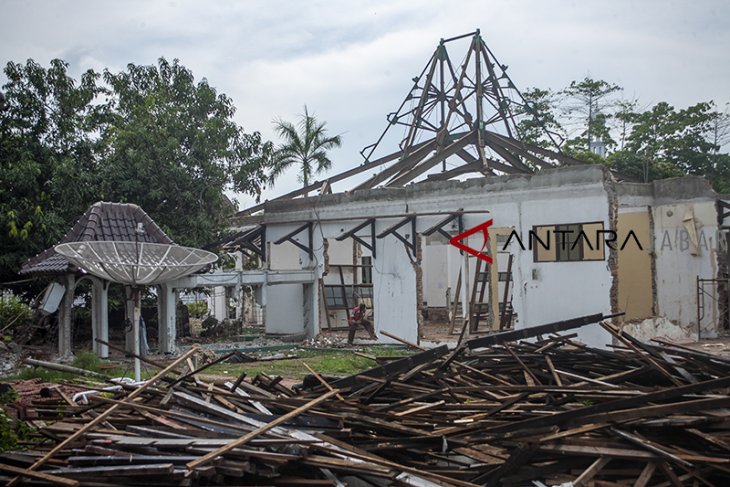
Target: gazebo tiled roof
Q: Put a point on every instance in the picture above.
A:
(102, 221)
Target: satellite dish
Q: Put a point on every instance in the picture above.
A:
(135, 263)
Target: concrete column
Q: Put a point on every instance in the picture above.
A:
(128, 320)
(240, 306)
(100, 316)
(264, 300)
(64, 319)
(238, 297)
(220, 303)
(166, 318)
(311, 309)
(466, 290)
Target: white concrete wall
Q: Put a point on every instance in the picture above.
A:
(394, 285)
(284, 312)
(435, 265)
(679, 262)
(545, 292)
(283, 303)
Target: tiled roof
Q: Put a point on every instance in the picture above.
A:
(102, 221)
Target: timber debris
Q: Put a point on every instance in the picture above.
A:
(493, 411)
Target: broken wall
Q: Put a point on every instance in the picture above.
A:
(682, 215)
(543, 291)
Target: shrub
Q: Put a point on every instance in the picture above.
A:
(13, 312)
(198, 309)
(86, 361)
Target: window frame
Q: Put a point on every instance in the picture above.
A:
(554, 252)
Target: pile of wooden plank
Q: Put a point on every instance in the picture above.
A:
(493, 411)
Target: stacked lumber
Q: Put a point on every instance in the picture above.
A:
(493, 411)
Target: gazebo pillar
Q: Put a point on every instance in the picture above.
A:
(100, 316)
(128, 318)
(64, 319)
(166, 318)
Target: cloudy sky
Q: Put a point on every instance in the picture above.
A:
(352, 62)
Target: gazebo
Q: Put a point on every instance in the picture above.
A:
(108, 222)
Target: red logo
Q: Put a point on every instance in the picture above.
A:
(482, 227)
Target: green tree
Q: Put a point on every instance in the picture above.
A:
(149, 135)
(305, 144)
(666, 142)
(47, 158)
(173, 148)
(623, 119)
(590, 102)
(539, 126)
(680, 137)
(638, 167)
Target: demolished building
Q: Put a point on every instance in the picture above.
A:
(563, 242)
(561, 237)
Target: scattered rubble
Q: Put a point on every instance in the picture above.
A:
(491, 412)
(326, 341)
(9, 358)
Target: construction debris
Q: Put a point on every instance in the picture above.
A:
(491, 412)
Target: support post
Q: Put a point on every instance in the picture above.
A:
(311, 309)
(465, 302)
(136, 315)
(220, 303)
(128, 320)
(100, 316)
(64, 319)
(167, 318)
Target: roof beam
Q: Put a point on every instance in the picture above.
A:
(424, 166)
(352, 234)
(410, 243)
(439, 227)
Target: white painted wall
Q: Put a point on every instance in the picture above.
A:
(394, 284)
(545, 292)
(677, 268)
(435, 265)
(284, 311)
(283, 303)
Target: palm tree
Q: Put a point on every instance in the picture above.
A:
(306, 144)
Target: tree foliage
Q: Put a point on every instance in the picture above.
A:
(589, 100)
(304, 144)
(668, 142)
(46, 156)
(540, 127)
(172, 147)
(149, 135)
(642, 144)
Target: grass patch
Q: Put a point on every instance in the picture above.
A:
(87, 361)
(46, 375)
(326, 362)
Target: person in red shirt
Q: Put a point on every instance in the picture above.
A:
(359, 318)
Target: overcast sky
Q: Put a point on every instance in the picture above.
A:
(352, 62)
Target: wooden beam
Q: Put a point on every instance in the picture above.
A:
(260, 430)
(103, 416)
